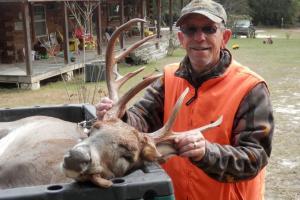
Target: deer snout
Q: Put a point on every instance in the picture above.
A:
(77, 159)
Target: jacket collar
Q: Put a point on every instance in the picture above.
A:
(185, 69)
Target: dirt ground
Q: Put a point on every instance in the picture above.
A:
(283, 171)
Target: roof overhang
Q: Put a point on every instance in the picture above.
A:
(23, 1)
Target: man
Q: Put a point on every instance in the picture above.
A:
(227, 162)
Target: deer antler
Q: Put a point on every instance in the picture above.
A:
(114, 80)
(165, 133)
(172, 134)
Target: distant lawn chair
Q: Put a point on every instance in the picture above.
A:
(51, 44)
(107, 37)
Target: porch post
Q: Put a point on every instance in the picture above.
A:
(31, 15)
(122, 22)
(99, 30)
(158, 17)
(27, 38)
(65, 34)
(171, 14)
(142, 16)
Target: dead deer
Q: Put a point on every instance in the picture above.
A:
(46, 150)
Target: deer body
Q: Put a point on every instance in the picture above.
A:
(31, 153)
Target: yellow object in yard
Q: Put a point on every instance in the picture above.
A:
(73, 44)
(148, 33)
(235, 46)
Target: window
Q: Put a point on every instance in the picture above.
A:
(113, 12)
(40, 21)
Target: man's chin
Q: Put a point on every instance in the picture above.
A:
(200, 65)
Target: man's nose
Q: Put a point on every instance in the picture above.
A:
(199, 35)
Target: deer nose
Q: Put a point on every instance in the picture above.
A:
(77, 159)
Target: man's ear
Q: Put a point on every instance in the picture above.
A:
(226, 37)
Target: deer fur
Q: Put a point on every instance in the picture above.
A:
(32, 152)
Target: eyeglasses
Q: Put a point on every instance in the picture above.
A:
(190, 31)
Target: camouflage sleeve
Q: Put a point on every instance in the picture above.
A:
(147, 114)
(251, 141)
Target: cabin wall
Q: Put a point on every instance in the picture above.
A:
(11, 33)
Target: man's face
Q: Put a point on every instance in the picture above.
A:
(203, 39)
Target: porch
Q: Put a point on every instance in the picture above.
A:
(55, 65)
(23, 23)
(44, 69)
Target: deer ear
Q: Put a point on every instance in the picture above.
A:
(149, 152)
(101, 182)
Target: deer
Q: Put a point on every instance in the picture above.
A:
(42, 150)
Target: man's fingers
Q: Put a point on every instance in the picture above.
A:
(103, 106)
(196, 154)
(100, 114)
(192, 146)
(105, 103)
(106, 100)
(183, 140)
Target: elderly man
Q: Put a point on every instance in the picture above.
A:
(227, 162)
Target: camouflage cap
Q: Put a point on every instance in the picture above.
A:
(208, 8)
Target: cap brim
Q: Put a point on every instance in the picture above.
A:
(210, 16)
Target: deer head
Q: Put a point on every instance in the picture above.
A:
(114, 147)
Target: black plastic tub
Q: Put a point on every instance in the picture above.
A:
(151, 182)
(71, 112)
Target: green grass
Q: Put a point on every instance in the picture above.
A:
(272, 61)
(283, 52)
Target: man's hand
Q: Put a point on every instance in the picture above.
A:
(103, 106)
(191, 145)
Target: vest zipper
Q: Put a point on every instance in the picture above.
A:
(193, 97)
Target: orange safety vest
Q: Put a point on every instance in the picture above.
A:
(216, 97)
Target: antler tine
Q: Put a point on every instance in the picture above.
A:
(112, 85)
(122, 79)
(166, 129)
(134, 46)
(119, 108)
(172, 135)
(129, 75)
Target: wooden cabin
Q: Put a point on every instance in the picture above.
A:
(38, 37)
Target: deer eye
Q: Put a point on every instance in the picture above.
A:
(91, 132)
(126, 153)
(128, 156)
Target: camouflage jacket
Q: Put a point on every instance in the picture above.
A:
(253, 117)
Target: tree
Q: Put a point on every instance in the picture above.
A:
(236, 10)
(237, 7)
(274, 12)
(82, 11)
